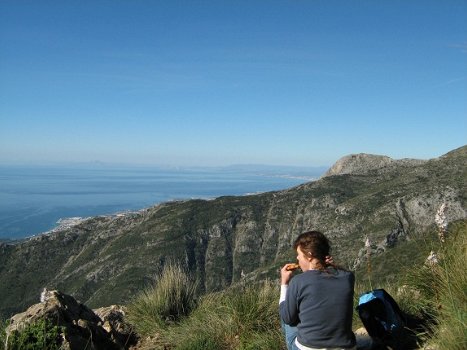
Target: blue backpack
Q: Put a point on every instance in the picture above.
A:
(380, 315)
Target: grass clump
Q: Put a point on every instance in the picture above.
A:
(444, 285)
(171, 298)
(242, 317)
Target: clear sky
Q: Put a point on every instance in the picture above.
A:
(290, 82)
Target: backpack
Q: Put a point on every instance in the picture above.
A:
(381, 315)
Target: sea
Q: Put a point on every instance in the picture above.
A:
(34, 199)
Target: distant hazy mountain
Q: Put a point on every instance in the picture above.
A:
(104, 260)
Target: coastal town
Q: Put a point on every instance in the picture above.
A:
(66, 223)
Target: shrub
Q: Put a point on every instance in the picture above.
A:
(171, 298)
(41, 335)
(3, 325)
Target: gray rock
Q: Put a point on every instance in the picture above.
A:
(81, 327)
(362, 163)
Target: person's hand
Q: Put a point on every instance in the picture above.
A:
(329, 260)
(285, 274)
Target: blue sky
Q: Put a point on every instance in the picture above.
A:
(299, 82)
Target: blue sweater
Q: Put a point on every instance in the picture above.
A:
(320, 304)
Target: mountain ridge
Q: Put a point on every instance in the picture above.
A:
(104, 261)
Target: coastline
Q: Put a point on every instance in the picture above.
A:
(41, 202)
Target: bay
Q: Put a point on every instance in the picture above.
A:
(34, 198)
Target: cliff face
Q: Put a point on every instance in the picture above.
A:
(359, 164)
(108, 260)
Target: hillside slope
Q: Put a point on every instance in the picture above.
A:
(105, 260)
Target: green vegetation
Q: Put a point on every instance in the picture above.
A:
(439, 292)
(241, 317)
(3, 325)
(387, 269)
(41, 335)
(168, 301)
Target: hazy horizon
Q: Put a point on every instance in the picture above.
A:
(98, 164)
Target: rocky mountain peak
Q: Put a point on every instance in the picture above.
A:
(362, 163)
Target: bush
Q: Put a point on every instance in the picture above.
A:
(170, 299)
(41, 335)
(3, 325)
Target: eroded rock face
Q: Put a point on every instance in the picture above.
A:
(362, 163)
(82, 328)
(113, 321)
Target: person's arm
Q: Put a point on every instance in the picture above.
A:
(286, 275)
(283, 292)
(288, 307)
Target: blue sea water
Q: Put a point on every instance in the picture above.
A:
(33, 199)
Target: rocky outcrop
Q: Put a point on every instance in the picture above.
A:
(114, 322)
(362, 163)
(80, 327)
